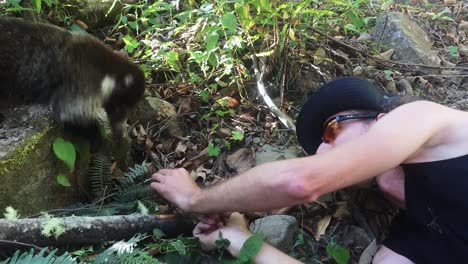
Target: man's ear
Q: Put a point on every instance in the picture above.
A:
(380, 116)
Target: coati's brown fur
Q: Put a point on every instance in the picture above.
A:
(73, 72)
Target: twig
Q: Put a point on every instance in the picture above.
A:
(6, 243)
(284, 119)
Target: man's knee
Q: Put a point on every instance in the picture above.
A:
(387, 256)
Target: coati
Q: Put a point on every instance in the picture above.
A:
(73, 72)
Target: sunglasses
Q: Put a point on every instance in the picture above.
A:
(332, 125)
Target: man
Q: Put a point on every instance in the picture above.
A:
(418, 150)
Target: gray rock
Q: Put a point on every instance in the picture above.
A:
(364, 37)
(269, 153)
(154, 110)
(356, 237)
(28, 166)
(278, 230)
(404, 86)
(410, 41)
(358, 71)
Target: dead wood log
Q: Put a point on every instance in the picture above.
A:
(91, 230)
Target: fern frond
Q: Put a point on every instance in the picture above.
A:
(133, 193)
(100, 174)
(138, 171)
(32, 258)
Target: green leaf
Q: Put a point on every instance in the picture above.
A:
(212, 41)
(65, 151)
(180, 247)
(37, 5)
(130, 43)
(229, 22)
(250, 248)
(158, 233)
(351, 27)
(237, 135)
(123, 19)
(356, 20)
(213, 151)
(339, 253)
(222, 243)
(172, 59)
(63, 180)
(243, 12)
(453, 51)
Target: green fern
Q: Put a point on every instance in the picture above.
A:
(100, 174)
(136, 257)
(133, 193)
(139, 170)
(32, 258)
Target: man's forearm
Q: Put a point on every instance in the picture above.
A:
(265, 187)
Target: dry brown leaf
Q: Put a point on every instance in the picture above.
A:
(319, 56)
(322, 226)
(185, 105)
(241, 160)
(148, 145)
(81, 24)
(246, 117)
(163, 209)
(341, 211)
(385, 55)
(181, 148)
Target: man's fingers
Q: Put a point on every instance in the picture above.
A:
(156, 186)
(158, 177)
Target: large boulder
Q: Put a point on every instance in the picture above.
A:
(28, 166)
(410, 42)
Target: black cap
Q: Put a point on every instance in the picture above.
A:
(343, 94)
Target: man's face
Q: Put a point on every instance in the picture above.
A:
(348, 130)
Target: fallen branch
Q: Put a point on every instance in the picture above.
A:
(283, 118)
(91, 230)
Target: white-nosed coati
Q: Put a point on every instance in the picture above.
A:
(73, 72)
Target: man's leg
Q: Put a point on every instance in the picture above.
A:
(387, 256)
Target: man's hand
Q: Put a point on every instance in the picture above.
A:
(235, 230)
(177, 186)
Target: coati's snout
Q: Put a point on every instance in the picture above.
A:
(128, 91)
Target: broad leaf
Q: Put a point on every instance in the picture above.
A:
(63, 180)
(250, 248)
(65, 151)
(339, 253)
(229, 22)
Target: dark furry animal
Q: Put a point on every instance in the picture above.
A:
(75, 73)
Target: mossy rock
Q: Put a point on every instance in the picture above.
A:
(29, 168)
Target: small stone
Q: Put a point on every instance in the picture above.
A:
(277, 230)
(463, 26)
(404, 86)
(364, 37)
(256, 140)
(463, 51)
(356, 237)
(391, 87)
(358, 71)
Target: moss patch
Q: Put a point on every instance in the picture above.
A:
(22, 153)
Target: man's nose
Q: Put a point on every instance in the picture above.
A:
(324, 147)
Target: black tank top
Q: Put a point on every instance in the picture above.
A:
(434, 228)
